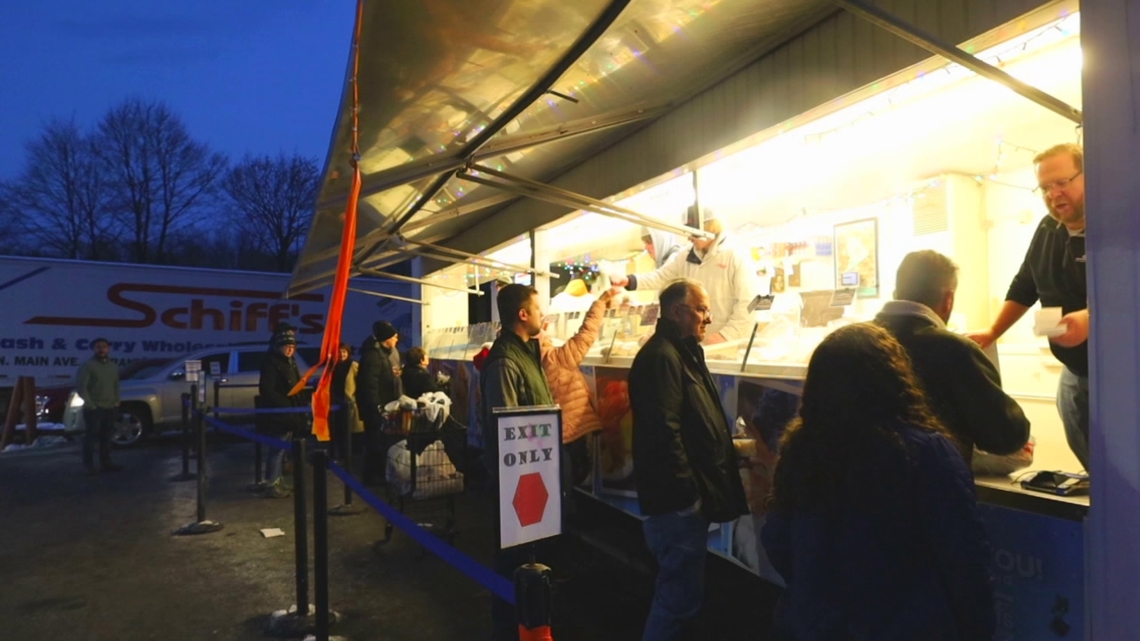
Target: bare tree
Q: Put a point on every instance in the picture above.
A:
(163, 181)
(272, 200)
(60, 200)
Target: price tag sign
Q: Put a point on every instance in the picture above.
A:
(193, 371)
(650, 315)
(761, 303)
(842, 297)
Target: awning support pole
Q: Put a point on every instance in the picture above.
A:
(383, 295)
(542, 191)
(475, 258)
(418, 281)
(933, 44)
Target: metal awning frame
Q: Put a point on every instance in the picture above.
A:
(417, 281)
(933, 44)
(555, 195)
(383, 295)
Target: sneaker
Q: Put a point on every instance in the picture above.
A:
(274, 492)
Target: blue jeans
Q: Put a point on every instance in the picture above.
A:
(274, 462)
(1073, 406)
(679, 542)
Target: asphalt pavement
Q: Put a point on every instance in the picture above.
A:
(93, 558)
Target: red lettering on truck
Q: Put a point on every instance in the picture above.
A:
(195, 314)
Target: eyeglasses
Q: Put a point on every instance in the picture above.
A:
(1059, 185)
(703, 312)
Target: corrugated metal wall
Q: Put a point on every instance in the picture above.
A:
(839, 55)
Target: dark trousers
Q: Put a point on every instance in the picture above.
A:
(98, 426)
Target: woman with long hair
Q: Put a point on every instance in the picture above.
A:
(872, 521)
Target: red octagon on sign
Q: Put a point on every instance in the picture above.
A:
(530, 499)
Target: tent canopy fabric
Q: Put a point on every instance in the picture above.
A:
(528, 87)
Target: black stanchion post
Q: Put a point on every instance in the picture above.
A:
(201, 525)
(321, 543)
(343, 440)
(217, 395)
(201, 426)
(258, 482)
(301, 526)
(533, 602)
(185, 475)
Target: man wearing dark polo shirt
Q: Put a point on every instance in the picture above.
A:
(1054, 273)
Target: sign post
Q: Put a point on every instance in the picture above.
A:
(530, 503)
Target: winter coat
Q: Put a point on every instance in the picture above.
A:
(567, 383)
(344, 393)
(418, 381)
(279, 374)
(376, 382)
(97, 383)
(511, 377)
(726, 272)
(962, 385)
(913, 569)
(682, 446)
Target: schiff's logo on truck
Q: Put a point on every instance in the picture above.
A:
(190, 311)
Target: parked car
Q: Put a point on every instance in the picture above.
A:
(152, 392)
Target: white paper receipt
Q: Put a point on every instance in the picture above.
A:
(1047, 322)
(271, 532)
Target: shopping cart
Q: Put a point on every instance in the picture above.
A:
(423, 468)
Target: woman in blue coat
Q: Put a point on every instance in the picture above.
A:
(873, 522)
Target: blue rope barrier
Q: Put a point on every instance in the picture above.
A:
(249, 434)
(267, 410)
(474, 570)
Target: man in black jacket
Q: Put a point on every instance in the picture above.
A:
(512, 376)
(376, 385)
(961, 383)
(684, 463)
(279, 375)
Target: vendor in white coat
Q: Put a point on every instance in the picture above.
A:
(727, 272)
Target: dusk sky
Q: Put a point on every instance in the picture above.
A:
(257, 76)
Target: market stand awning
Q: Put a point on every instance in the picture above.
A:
(530, 88)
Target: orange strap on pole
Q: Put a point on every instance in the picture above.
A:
(541, 633)
(330, 344)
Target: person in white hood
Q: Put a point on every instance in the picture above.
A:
(661, 245)
(727, 272)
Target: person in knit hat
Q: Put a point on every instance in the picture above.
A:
(279, 374)
(377, 384)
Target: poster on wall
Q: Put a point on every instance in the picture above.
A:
(856, 250)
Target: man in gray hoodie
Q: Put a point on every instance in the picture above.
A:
(97, 384)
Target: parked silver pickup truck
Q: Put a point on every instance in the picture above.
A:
(152, 395)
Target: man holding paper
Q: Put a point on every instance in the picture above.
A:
(1054, 273)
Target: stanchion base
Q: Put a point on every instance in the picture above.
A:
(199, 527)
(345, 510)
(189, 476)
(288, 623)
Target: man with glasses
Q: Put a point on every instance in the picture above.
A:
(684, 463)
(1054, 273)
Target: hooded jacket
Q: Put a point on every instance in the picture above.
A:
(962, 385)
(727, 273)
(567, 383)
(665, 244)
(682, 446)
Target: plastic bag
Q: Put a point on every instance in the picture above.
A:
(435, 473)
